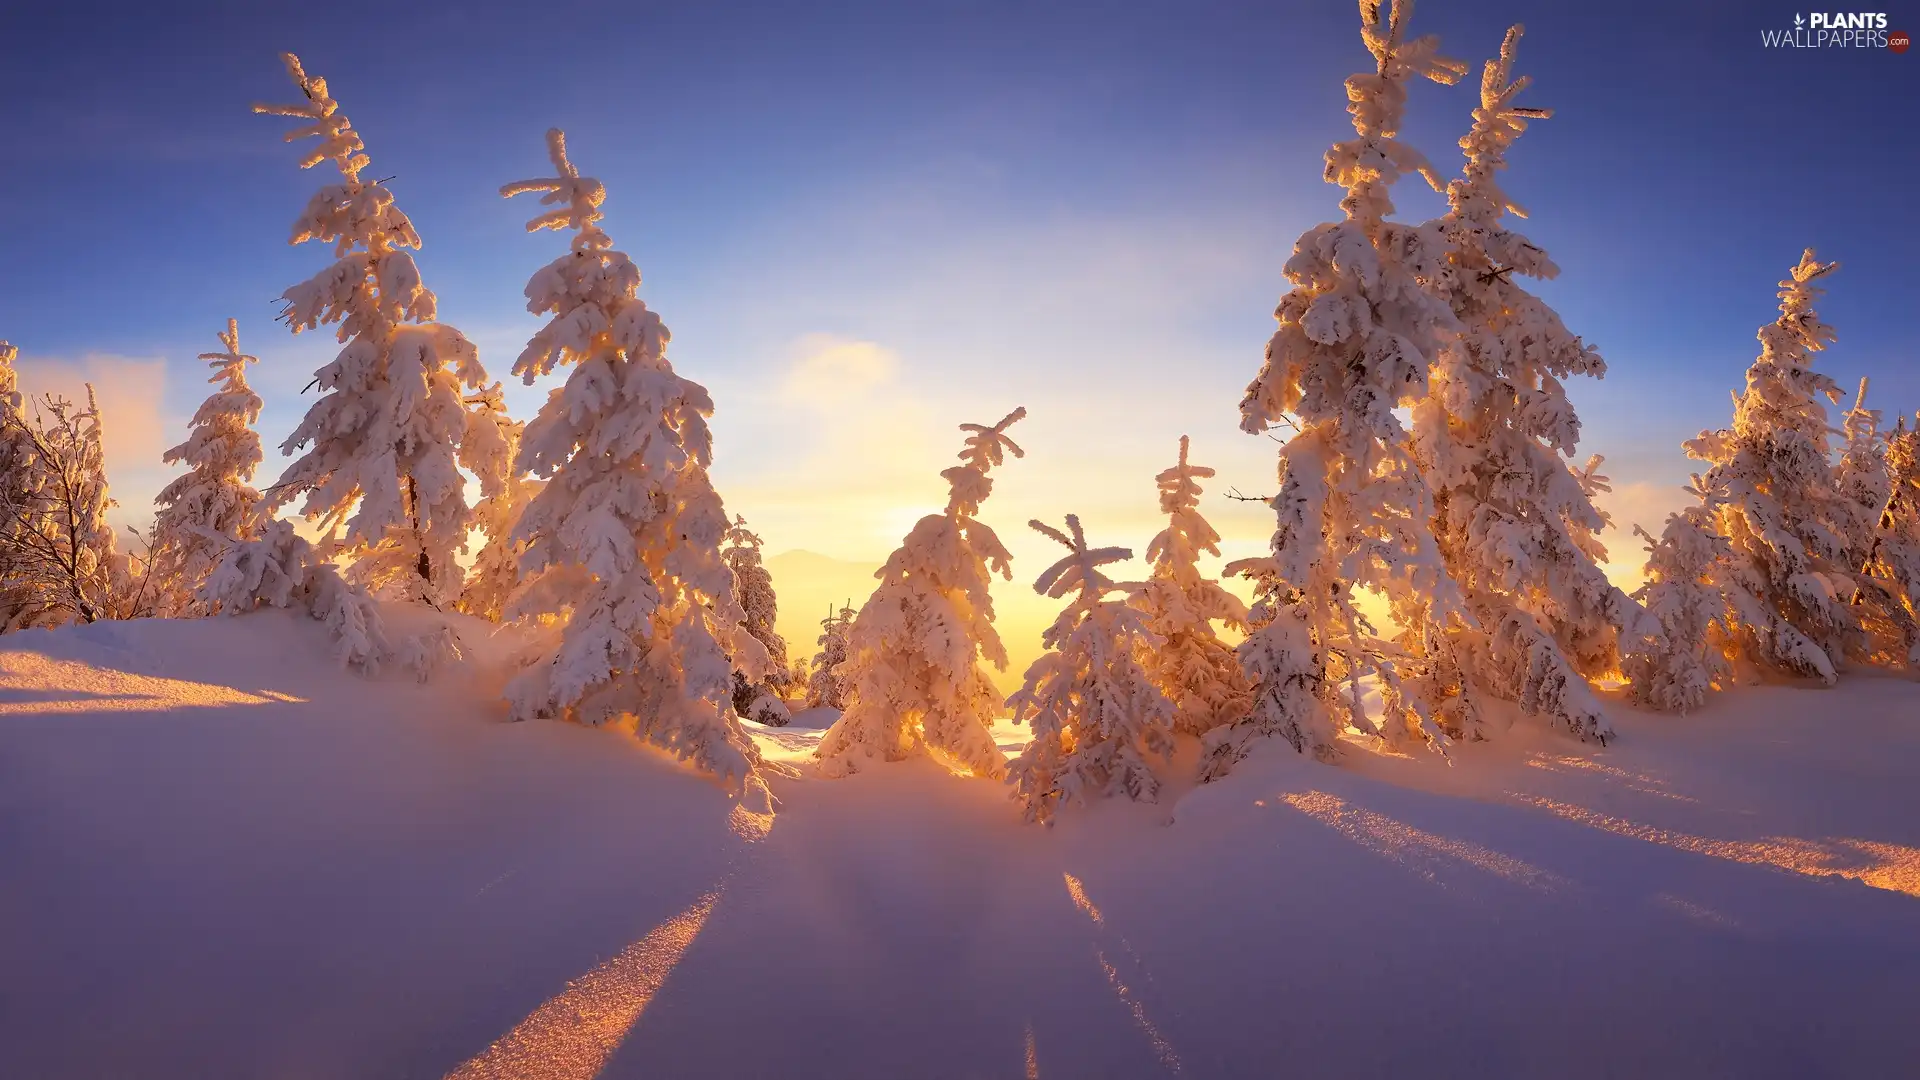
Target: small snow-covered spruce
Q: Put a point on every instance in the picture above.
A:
(826, 685)
(623, 541)
(1862, 476)
(62, 563)
(1191, 665)
(1894, 562)
(213, 505)
(491, 444)
(1096, 715)
(1689, 657)
(1357, 332)
(758, 700)
(1771, 489)
(382, 442)
(1514, 521)
(913, 674)
(279, 568)
(1288, 672)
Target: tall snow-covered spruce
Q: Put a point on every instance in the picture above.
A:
(914, 681)
(213, 505)
(383, 440)
(1770, 493)
(1357, 333)
(1515, 523)
(1190, 664)
(623, 541)
(1097, 718)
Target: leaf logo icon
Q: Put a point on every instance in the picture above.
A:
(1797, 21)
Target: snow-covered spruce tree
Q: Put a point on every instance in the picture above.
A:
(1893, 563)
(759, 699)
(491, 444)
(213, 505)
(1096, 715)
(1887, 623)
(1862, 477)
(382, 442)
(1771, 488)
(1284, 663)
(1684, 597)
(913, 674)
(1357, 333)
(623, 542)
(826, 686)
(1515, 523)
(1191, 665)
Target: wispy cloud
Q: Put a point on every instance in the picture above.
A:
(832, 455)
(832, 371)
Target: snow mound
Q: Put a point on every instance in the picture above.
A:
(820, 717)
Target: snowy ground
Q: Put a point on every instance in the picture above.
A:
(220, 858)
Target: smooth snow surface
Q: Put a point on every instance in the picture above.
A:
(220, 857)
(820, 717)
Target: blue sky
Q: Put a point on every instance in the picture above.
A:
(866, 224)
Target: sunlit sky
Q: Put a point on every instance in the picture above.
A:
(867, 224)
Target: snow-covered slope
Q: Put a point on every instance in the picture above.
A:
(221, 858)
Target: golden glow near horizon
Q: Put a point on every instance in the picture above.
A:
(837, 450)
(858, 446)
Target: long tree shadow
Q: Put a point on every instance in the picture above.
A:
(1891, 867)
(900, 923)
(1422, 852)
(1127, 975)
(373, 882)
(1525, 938)
(575, 1033)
